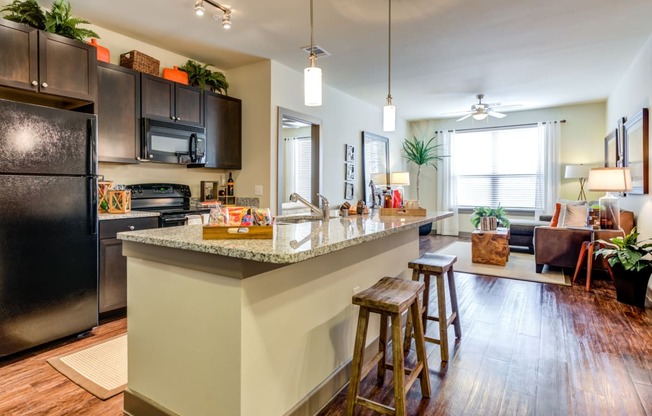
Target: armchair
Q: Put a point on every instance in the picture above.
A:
(559, 246)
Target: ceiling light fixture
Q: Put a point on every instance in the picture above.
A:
(226, 12)
(389, 111)
(480, 115)
(312, 74)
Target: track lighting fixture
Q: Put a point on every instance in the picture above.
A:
(226, 12)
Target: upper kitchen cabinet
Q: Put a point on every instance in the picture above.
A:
(223, 131)
(170, 101)
(44, 68)
(118, 113)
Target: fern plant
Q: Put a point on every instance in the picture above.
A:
(499, 213)
(27, 12)
(60, 20)
(200, 76)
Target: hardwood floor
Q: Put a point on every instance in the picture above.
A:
(526, 349)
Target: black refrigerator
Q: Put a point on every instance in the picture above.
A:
(48, 225)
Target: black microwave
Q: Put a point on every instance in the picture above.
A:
(173, 143)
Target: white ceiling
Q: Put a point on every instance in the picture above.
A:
(534, 53)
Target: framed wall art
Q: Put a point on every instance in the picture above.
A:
(611, 149)
(348, 191)
(636, 151)
(350, 172)
(349, 153)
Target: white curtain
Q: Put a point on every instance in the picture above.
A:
(446, 191)
(549, 167)
(289, 168)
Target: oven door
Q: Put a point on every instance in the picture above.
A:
(173, 220)
(172, 143)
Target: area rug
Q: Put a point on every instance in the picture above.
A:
(100, 369)
(520, 266)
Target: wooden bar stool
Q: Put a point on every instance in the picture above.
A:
(437, 265)
(390, 297)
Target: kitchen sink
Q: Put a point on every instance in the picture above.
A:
(296, 219)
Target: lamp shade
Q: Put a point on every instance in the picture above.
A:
(379, 178)
(610, 179)
(577, 171)
(312, 86)
(389, 118)
(400, 178)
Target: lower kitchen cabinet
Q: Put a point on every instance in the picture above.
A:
(113, 265)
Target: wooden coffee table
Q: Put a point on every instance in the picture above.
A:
(490, 247)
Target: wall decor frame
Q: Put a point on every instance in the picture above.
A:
(637, 151)
(611, 149)
(349, 153)
(349, 174)
(348, 190)
(375, 159)
(620, 131)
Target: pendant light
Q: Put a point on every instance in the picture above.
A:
(389, 111)
(312, 74)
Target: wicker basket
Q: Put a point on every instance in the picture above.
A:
(138, 61)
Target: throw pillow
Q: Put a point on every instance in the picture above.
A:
(555, 216)
(562, 212)
(576, 216)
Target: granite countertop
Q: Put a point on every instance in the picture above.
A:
(291, 243)
(103, 216)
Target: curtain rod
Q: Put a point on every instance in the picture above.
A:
(507, 127)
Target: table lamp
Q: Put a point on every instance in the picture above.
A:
(610, 180)
(580, 172)
(377, 180)
(399, 180)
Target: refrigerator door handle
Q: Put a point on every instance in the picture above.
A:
(92, 151)
(92, 191)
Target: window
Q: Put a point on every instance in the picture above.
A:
(498, 166)
(303, 167)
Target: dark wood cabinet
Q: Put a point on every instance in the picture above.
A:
(45, 68)
(223, 131)
(118, 114)
(170, 101)
(113, 265)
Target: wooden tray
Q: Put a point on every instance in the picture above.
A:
(403, 212)
(216, 232)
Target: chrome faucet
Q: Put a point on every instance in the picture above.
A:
(323, 212)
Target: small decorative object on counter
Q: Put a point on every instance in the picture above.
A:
(176, 75)
(359, 209)
(388, 200)
(103, 53)
(344, 209)
(229, 186)
(218, 215)
(241, 223)
(119, 200)
(102, 188)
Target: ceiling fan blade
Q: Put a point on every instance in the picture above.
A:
(496, 114)
(463, 118)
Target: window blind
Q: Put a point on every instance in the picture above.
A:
(303, 167)
(498, 167)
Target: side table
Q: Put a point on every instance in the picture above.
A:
(587, 250)
(490, 247)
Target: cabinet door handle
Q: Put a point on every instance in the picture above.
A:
(131, 227)
(178, 118)
(35, 83)
(172, 117)
(44, 85)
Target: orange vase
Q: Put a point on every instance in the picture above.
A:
(176, 75)
(103, 53)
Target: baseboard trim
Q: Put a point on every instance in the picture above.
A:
(135, 404)
(321, 395)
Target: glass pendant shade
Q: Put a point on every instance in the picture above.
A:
(389, 118)
(312, 86)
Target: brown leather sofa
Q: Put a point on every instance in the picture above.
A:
(559, 246)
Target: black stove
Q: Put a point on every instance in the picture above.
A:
(171, 200)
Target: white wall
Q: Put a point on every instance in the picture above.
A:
(632, 93)
(582, 141)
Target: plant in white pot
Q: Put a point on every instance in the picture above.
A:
(422, 153)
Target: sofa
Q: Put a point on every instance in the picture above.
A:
(521, 232)
(560, 246)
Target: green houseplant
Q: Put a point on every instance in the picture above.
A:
(631, 263)
(58, 20)
(200, 76)
(485, 212)
(421, 152)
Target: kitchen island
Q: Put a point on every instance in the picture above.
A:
(253, 327)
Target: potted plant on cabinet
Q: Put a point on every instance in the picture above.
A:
(631, 264)
(200, 76)
(487, 218)
(421, 153)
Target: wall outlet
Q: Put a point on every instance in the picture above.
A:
(258, 190)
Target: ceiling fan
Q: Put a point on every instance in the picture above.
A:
(481, 110)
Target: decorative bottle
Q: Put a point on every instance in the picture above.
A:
(229, 185)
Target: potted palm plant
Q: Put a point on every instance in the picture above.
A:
(422, 153)
(482, 216)
(631, 263)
